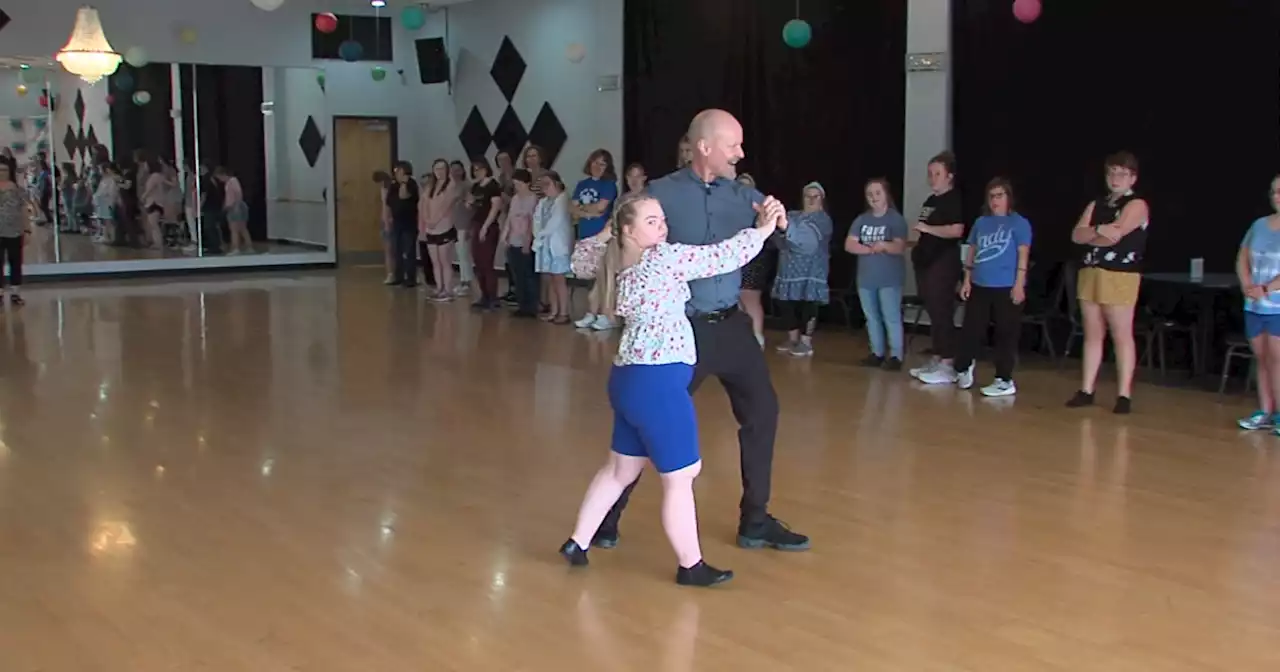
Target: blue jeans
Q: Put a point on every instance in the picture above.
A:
(883, 308)
(522, 280)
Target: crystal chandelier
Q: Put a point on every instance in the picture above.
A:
(87, 54)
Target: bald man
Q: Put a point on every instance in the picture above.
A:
(704, 205)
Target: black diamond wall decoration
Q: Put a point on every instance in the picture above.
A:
(510, 135)
(508, 69)
(91, 140)
(475, 136)
(78, 106)
(71, 143)
(548, 134)
(311, 142)
(4, 19)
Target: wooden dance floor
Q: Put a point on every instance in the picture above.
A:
(315, 473)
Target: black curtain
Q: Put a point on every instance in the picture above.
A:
(831, 111)
(147, 127)
(229, 106)
(1188, 87)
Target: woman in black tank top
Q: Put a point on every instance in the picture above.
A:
(1114, 231)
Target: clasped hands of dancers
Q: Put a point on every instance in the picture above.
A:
(678, 303)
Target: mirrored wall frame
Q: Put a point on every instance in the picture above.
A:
(27, 130)
(197, 118)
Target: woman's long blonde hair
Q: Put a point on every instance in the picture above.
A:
(606, 285)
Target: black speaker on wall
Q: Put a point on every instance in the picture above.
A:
(433, 60)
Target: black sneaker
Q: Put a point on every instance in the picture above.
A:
(1124, 406)
(574, 553)
(872, 361)
(771, 533)
(893, 364)
(605, 540)
(702, 575)
(1080, 400)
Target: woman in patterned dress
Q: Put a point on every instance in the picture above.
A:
(801, 286)
(654, 418)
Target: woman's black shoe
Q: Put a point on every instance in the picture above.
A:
(1080, 399)
(701, 574)
(872, 361)
(574, 553)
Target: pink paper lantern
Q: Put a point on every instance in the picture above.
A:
(1026, 11)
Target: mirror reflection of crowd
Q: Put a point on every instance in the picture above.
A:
(144, 203)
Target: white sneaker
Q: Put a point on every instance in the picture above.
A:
(964, 379)
(943, 374)
(586, 321)
(602, 323)
(921, 370)
(463, 289)
(1000, 388)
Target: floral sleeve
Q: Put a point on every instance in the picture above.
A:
(691, 262)
(586, 257)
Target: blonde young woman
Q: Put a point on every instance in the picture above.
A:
(654, 416)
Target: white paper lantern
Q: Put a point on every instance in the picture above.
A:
(267, 5)
(136, 56)
(575, 52)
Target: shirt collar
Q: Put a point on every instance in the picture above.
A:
(693, 177)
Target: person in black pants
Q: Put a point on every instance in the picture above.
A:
(936, 259)
(995, 287)
(705, 205)
(402, 199)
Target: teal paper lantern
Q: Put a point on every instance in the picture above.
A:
(413, 18)
(378, 73)
(350, 51)
(797, 33)
(30, 75)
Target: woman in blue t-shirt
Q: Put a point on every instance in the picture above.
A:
(593, 200)
(995, 285)
(1258, 267)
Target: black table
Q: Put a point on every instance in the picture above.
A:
(1208, 286)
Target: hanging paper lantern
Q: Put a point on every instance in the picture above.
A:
(320, 79)
(141, 98)
(267, 5)
(123, 80)
(188, 35)
(326, 22)
(28, 75)
(797, 33)
(1026, 11)
(111, 100)
(378, 73)
(413, 18)
(44, 100)
(136, 56)
(350, 51)
(575, 52)
(22, 90)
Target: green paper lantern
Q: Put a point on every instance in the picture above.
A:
(413, 18)
(28, 75)
(378, 73)
(797, 33)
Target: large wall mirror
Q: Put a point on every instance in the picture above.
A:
(166, 166)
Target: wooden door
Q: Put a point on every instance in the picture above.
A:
(361, 147)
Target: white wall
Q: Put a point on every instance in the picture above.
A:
(13, 105)
(298, 194)
(97, 113)
(542, 31)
